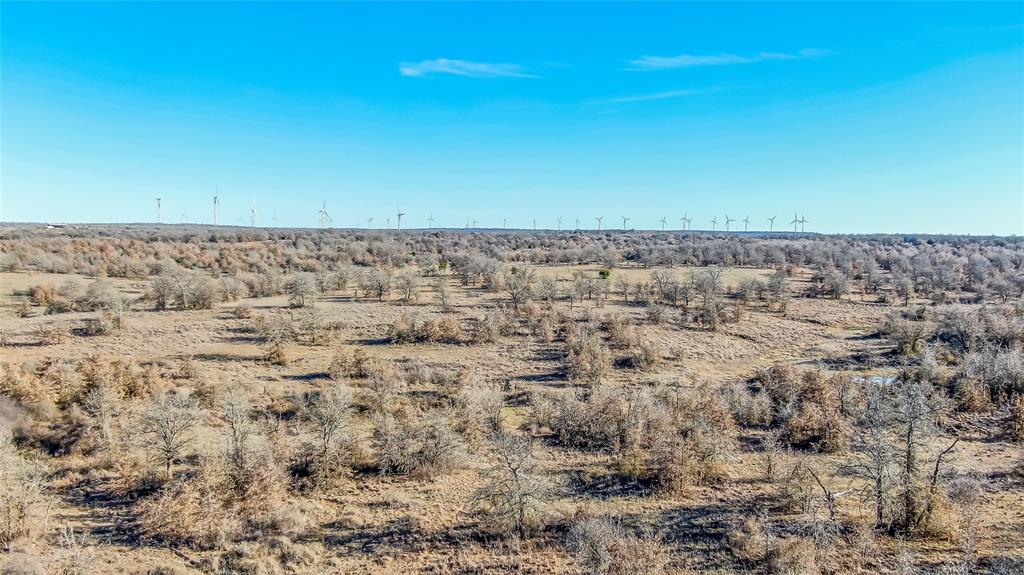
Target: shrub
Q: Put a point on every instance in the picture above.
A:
(445, 329)
(642, 357)
(192, 512)
(276, 354)
(1015, 420)
(656, 314)
(588, 359)
(21, 494)
(1000, 371)
(750, 540)
(403, 329)
(384, 386)
(907, 336)
(328, 415)
(699, 452)
(604, 547)
(479, 411)
(515, 495)
(594, 422)
(242, 312)
(422, 446)
(350, 363)
(793, 556)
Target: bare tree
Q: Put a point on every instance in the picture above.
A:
(444, 295)
(301, 290)
(237, 430)
(514, 494)
(407, 281)
(168, 426)
(519, 285)
(377, 282)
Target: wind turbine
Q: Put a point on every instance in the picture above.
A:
(624, 220)
(158, 200)
(559, 220)
(577, 223)
(474, 223)
(387, 223)
(184, 216)
(803, 221)
(399, 214)
(599, 222)
(795, 222)
(216, 207)
(369, 223)
(534, 224)
(727, 221)
(663, 221)
(323, 216)
(252, 215)
(714, 223)
(686, 218)
(771, 223)
(746, 222)
(504, 223)
(430, 220)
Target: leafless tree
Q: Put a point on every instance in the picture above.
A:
(519, 285)
(168, 426)
(514, 494)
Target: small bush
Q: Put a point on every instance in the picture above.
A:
(515, 495)
(422, 446)
(21, 494)
(1015, 420)
(793, 556)
(588, 359)
(479, 412)
(643, 357)
(604, 547)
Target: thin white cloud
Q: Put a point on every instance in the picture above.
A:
(690, 60)
(461, 68)
(654, 96)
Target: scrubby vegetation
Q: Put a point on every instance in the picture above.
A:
(280, 401)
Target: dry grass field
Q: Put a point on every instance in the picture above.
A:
(195, 400)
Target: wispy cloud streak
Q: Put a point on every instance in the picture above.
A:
(689, 60)
(461, 68)
(654, 96)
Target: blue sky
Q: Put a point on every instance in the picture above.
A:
(866, 117)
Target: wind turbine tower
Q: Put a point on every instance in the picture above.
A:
(158, 200)
(624, 220)
(771, 223)
(746, 222)
(663, 221)
(252, 215)
(323, 216)
(599, 222)
(714, 223)
(727, 221)
(795, 222)
(398, 222)
(216, 208)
